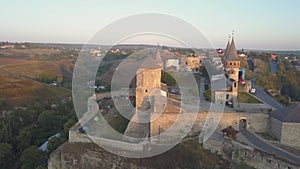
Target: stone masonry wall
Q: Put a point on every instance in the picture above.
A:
(275, 128)
(291, 134)
(256, 122)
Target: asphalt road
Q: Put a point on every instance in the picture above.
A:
(263, 96)
(260, 144)
(274, 66)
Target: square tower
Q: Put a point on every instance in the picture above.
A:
(148, 78)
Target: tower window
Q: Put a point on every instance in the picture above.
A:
(146, 90)
(230, 63)
(234, 63)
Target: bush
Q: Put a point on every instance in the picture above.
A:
(168, 79)
(207, 95)
(32, 158)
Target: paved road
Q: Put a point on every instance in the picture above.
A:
(263, 96)
(274, 66)
(260, 144)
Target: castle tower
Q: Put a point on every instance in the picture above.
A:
(232, 62)
(148, 78)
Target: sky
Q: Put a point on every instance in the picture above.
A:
(258, 24)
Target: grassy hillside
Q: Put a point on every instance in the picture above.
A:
(20, 85)
(21, 92)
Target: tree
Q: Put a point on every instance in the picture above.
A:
(14, 123)
(4, 106)
(54, 143)
(204, 72)
(59, 79)
(24, 139)
(26, 117)
(207, 95)
(41, 167)
(68, 125)
(168, 79)
(32, 157)
(39, 107)
(6, 156)
(48, 121)
(4, 134)
(47, 77)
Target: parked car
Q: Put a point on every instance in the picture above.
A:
(229, 104)
(253, 91)
(173, 91)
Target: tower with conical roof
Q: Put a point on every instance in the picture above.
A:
(148, 79)
(226, 50)
(232, 62)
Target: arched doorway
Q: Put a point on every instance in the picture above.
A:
(243, 123)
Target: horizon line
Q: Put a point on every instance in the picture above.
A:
(77, 43)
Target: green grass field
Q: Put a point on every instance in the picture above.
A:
(245, 97)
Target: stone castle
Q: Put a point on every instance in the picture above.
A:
(148, 99)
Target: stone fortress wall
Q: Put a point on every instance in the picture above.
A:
(256, 122)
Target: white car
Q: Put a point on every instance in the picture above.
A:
(253, 91)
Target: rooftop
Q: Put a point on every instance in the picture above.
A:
(288, 114)
(154, 62)
(220, 83)
(230, 53)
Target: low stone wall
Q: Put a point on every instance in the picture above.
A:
(77, 137)
(118, 144)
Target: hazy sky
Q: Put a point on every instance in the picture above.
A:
(258, 24)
